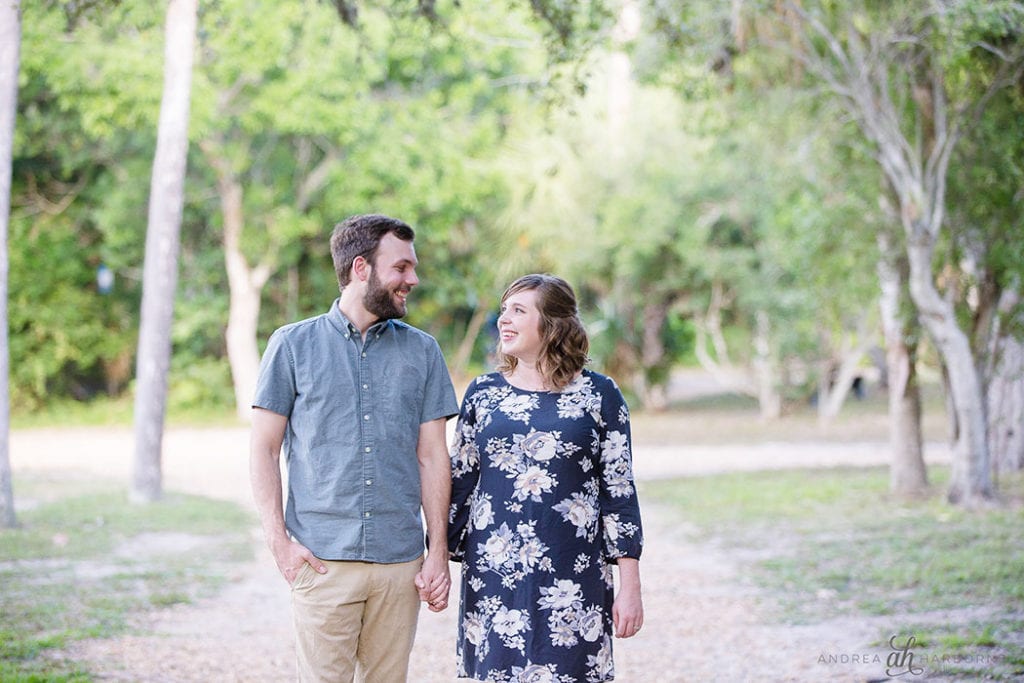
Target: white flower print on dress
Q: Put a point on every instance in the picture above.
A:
(533, 482)
(464, 455)
(612, 447)
(601, 666)
(512, 554)
(537, 572)
(579, 399)
(591, 625)
(511, 622)
(535, 673)
(502, 456)
(473, 627)
(540, 446)
(481, 514)
(518, 406)
(616, 530)
(581, 512)
(565, 593)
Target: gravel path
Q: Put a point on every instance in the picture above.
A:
(703, 620)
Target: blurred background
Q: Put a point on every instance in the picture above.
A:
(784, 220)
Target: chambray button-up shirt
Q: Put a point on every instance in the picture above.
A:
(354, 409)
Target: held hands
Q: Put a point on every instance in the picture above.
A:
(433, 582)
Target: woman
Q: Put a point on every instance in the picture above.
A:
(543, 502)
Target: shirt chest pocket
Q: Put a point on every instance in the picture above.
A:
(402, 389)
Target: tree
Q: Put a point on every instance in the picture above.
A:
(162, 241)
(890, 71)
(10, 45)
(908, 476)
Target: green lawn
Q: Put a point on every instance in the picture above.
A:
(85, 560)
(825, 543)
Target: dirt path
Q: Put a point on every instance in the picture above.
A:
(703, 620)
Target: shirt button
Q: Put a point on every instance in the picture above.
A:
(369, 482)
(366, 514)
(366, 386)
(366, 417)
(364, 354)
(367, 449)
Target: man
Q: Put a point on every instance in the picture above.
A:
(359, 401)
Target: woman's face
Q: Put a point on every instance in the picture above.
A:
(519, 326)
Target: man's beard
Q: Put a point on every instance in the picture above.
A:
(380, 301)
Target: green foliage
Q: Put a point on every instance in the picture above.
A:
(62, 329)
(714, 171)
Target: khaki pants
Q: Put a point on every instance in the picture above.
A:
(357, 620)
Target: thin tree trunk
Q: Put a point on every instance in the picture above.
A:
(1006, 408)
(245, 286)
(832, 398)
(10, 50)
(971, 474)
(163, 237)
(1006, 392)
(908, 476)
(460, 361)
(765, 370)
(853, 348)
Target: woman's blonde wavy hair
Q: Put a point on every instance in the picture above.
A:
(564, 339)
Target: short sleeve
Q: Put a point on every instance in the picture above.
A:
(620, 507)
(275, 386)
(439, 397)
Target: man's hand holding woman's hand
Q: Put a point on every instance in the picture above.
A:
(433, 582)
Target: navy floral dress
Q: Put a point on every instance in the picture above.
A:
(543, 503)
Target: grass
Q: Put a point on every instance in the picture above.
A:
(85, 561)
(831, 543)
(116, 412)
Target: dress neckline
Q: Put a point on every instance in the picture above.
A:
(567, 388)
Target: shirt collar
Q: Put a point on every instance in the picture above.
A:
(345, 326)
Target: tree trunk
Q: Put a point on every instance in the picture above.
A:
(1006, 408)
(835, 389)
(908, 476)
(709, 329)
(160, 271)
(460, 361)
(866, 71)
(1006, 393)
(831, 398)
(652, 354)
(10, 49)
(245, 285)
(765, 370)
(971, 477)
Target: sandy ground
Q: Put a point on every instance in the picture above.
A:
(704, 622)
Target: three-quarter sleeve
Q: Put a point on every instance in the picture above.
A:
(465, 459)
(619, 505)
